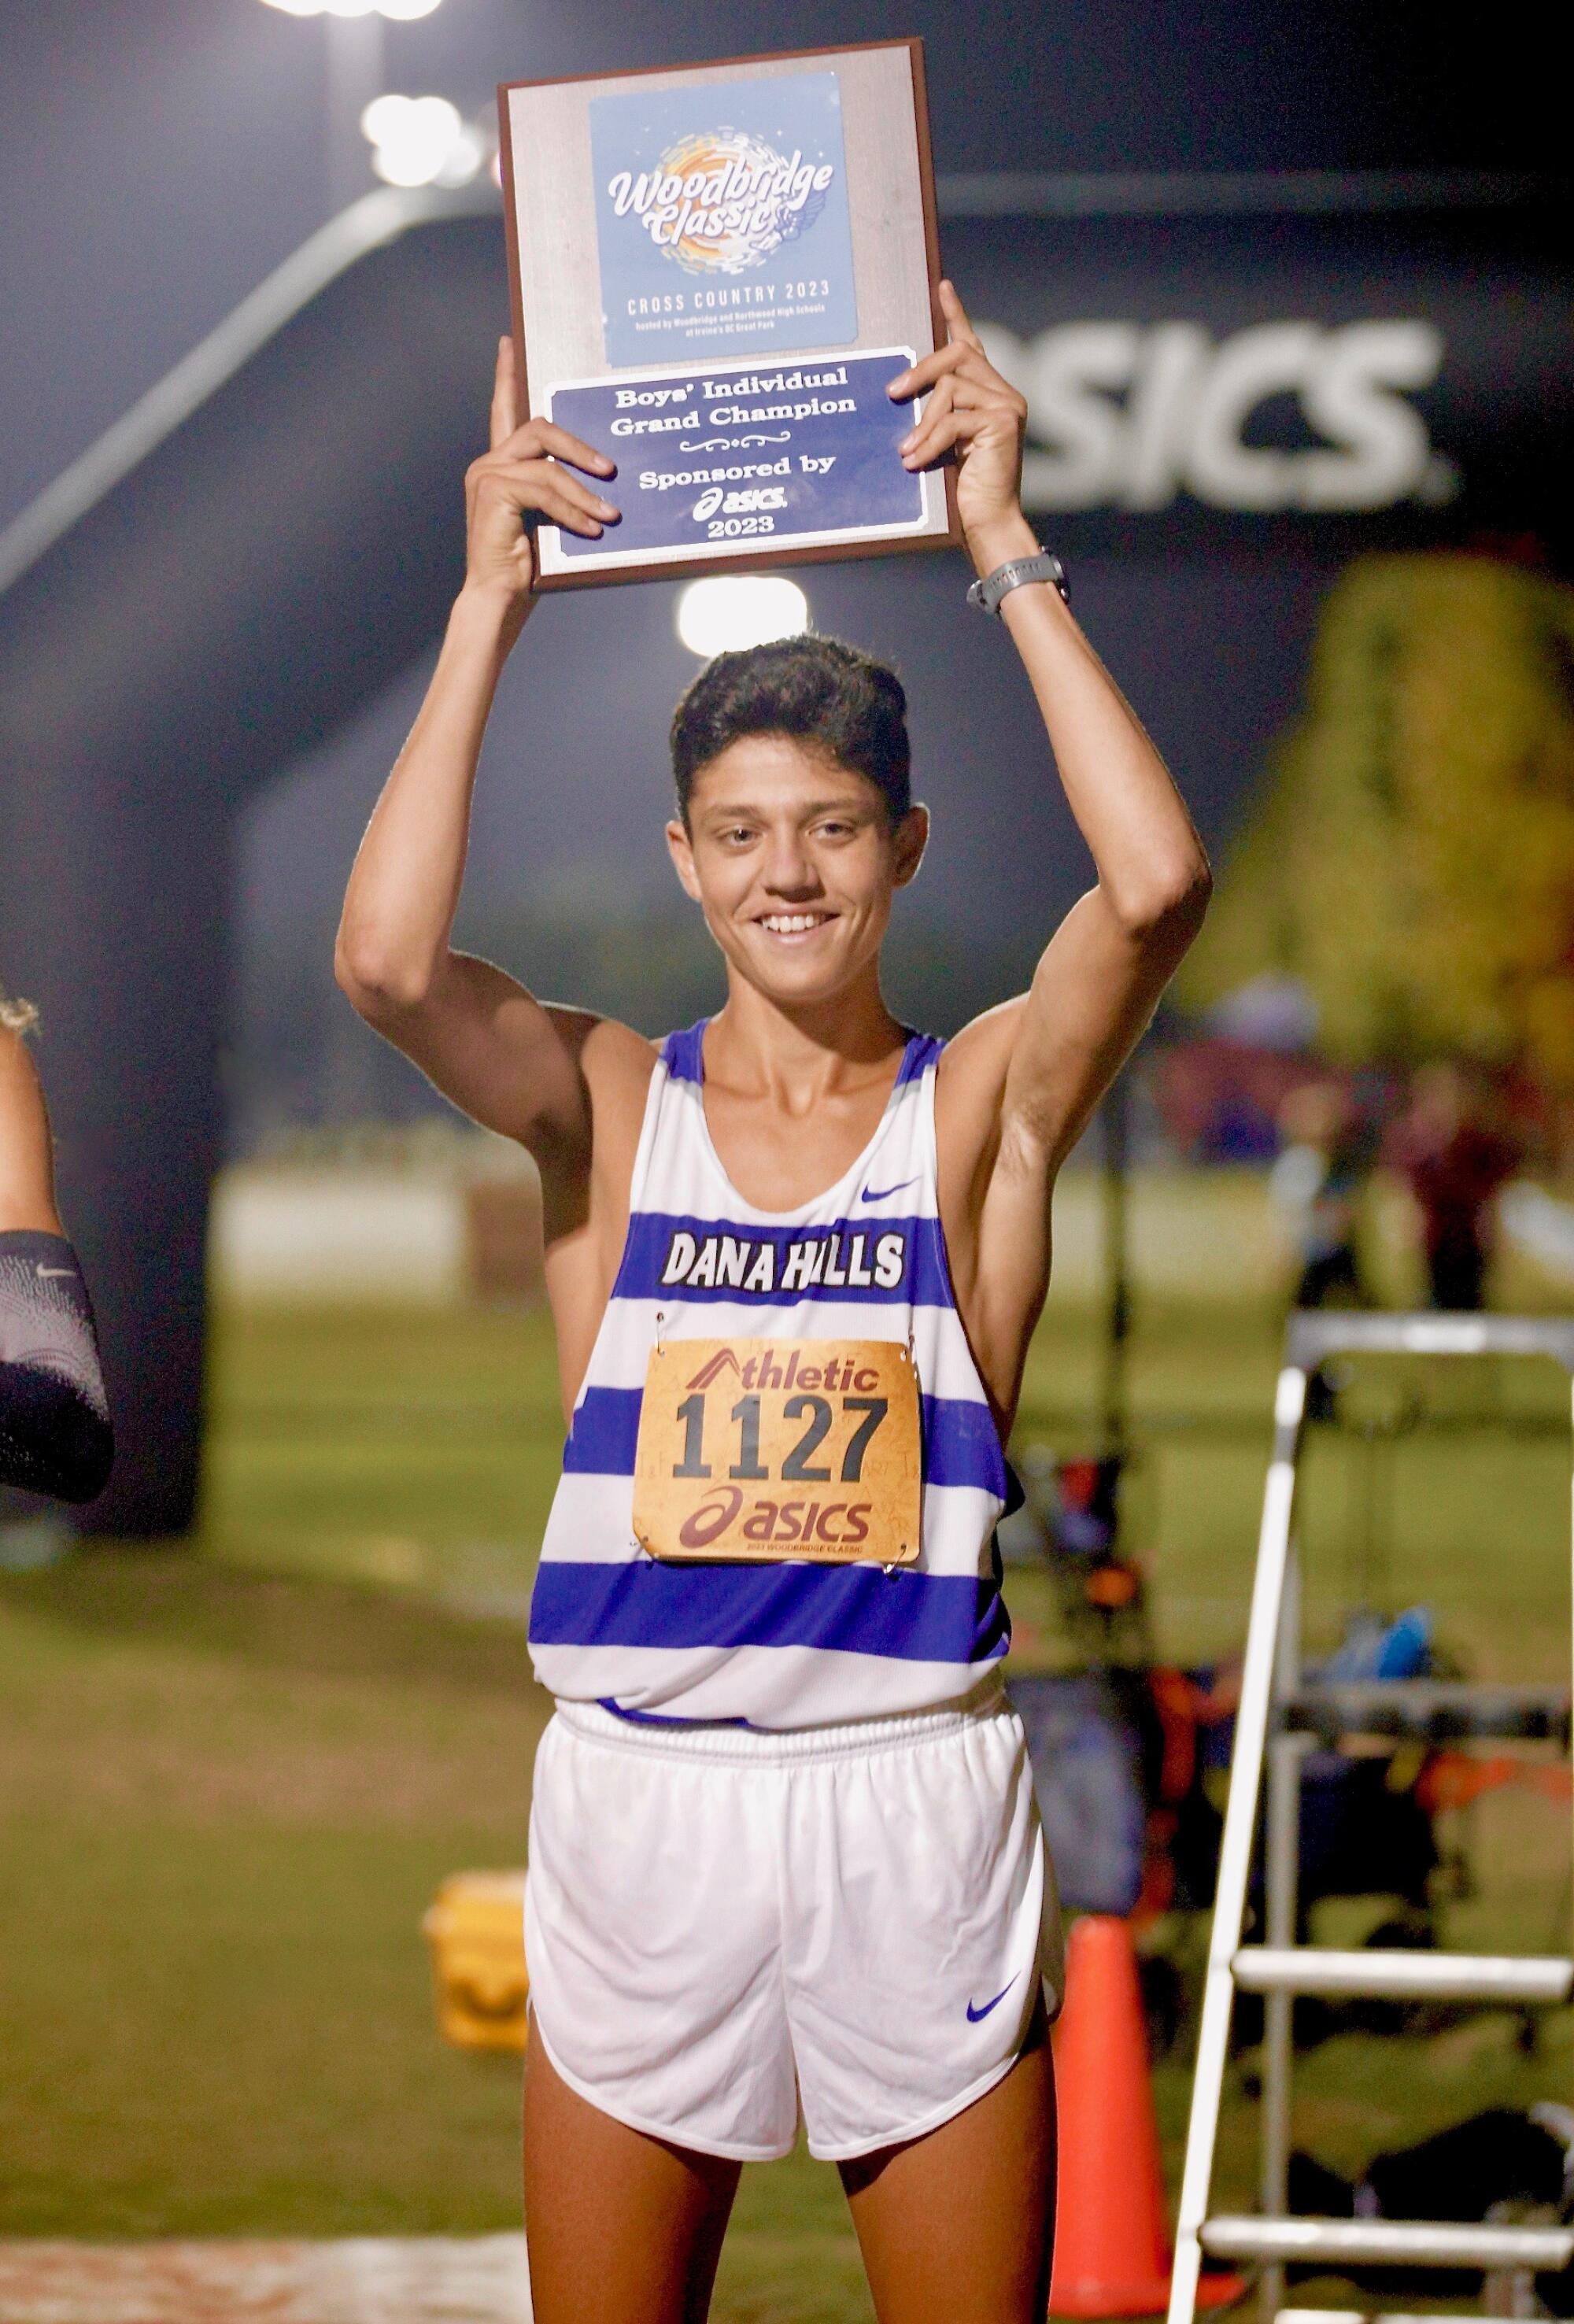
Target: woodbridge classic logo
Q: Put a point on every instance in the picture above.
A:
(1130, 416)
(722, 201)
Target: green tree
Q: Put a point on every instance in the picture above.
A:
(1410, 854)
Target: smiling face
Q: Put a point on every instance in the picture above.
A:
(794, 861)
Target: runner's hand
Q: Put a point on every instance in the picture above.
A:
(528, 474)
(973, 412)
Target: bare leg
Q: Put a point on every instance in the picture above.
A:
(622, 2228)
(961, 2223)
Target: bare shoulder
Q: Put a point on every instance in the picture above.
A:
(617, 1063)
(26, 1164)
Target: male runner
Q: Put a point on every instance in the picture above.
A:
(784, 1850)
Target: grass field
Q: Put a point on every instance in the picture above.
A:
(230, 1781)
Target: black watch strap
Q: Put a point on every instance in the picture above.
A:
(987, 594)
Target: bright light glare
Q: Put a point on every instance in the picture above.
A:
(384, 119)
(420, 141)
(732, 611)
(397, 12)
(463, 159)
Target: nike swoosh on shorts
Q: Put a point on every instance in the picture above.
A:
(883, 1194)
(54, 1271)
(973, 2015)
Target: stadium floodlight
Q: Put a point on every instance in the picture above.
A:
(730, 611)
(397, 12)
(421, 140)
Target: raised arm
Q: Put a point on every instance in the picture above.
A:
(1017, 1086)
(486, 1043)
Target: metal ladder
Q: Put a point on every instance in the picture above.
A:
(1279, 1718)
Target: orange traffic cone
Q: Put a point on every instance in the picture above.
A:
(1111, 2243)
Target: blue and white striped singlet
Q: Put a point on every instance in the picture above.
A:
(791, 1644)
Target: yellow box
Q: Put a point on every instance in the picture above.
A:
(475, 1926)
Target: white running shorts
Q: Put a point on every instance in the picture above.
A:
(722, 1925)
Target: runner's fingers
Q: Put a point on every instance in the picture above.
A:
(939, 405)
(933, 442)
(924, 373)
(570, 519)
(504, 398)
(978, 369)
(522, 473)
(979, 384)
(554, 503)
(956, 319)
(541, 484)
(574, 449)
(534, 437)
(582, 507)
(993, 396)
(960, 360)
(565, 484)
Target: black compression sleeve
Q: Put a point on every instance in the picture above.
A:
(55, 1434)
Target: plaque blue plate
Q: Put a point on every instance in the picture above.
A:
(735, 456)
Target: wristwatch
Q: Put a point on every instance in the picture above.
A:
(987, 594)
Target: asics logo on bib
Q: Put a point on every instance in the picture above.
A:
(974, 2015)
(836, 1522)
(767, 1268)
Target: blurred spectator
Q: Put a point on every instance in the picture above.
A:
(1317, 1182)
(1456, 1152)
(1271, 1012)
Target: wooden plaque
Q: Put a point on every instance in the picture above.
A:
(767, 1449)
(715, 271)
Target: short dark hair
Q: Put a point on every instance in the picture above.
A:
(818, 690)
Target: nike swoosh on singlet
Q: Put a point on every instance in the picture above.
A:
(883, 1194)
(973, 2015)
(46, 1271)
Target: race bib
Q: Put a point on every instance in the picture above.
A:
(772, 1449)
